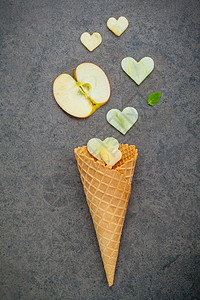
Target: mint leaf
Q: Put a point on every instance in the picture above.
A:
(154, 98)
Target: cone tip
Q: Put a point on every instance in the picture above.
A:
(110, 284)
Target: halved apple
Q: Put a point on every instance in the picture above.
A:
(82, 95)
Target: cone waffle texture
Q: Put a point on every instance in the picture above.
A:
(107, 190)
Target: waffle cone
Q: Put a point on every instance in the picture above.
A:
(107, 190)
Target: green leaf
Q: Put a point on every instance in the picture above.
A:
(154, 98)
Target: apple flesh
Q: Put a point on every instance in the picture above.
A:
(117, 26)
(82, 95)
(106, 150)
(91, 41)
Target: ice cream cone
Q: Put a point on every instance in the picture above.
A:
(107, 190)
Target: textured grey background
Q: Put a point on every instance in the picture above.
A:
(48, 245)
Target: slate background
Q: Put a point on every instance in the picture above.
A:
(48, 245)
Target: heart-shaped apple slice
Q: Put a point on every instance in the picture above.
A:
(138, 71)
(91, 41)
(106, 150)
(117, 26)
(122, 120)
(80, 97)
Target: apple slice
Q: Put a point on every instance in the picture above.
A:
(106, 150)
(91, 41)
(82, 95)
(122, 120)
(117, 26)
(138, 71)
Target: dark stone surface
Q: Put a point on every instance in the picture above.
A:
(48, 245)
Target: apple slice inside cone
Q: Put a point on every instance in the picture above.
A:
(82, 95)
